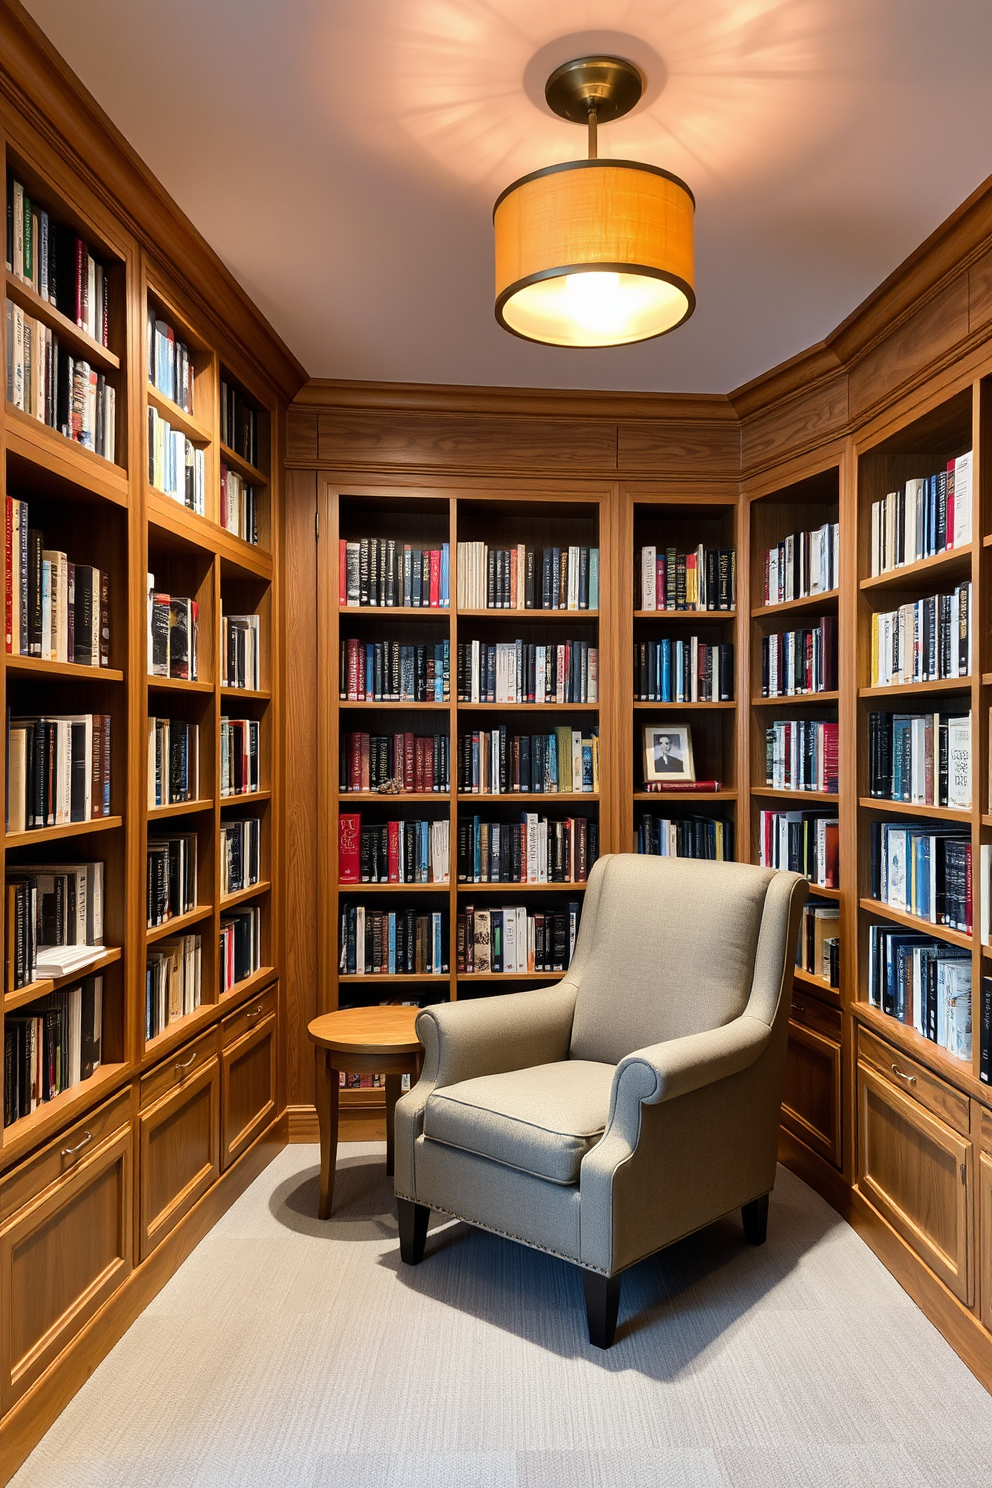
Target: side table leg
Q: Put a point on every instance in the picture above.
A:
(392, 1096)
(328, 1089)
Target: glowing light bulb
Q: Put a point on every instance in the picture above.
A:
(596, 302)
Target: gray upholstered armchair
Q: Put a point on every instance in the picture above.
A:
(633, 1103)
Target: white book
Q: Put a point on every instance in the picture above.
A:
(984, 887)
(876, 556)
(509, 938)
(912, 525)
(959, 763)
(963, 497)
(75, 1035)
(649, 593)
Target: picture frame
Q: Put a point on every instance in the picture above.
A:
(668, 753)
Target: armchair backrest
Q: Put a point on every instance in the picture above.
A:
(666, 948)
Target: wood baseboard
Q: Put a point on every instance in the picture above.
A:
(26, 1423)
(952, 1319)
(356, 1123)
(302, 1124)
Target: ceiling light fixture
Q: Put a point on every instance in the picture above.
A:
(594, 252)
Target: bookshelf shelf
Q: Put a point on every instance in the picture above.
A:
(77, 339)
(523, 707)
(913, 922)
(52, 1114)
(352, 889)
(808, 604)
(686, 617)
(381, 799)
(179, 924)
(30, 993)
(501, 887)
(56, 834)
(227, 901)
(700, 796)
(954, 562)
(179, 1030)
(821, 890)
(178, 419)
(929, 1054)
(250, 694)
(235, 800)
(532, 796)
(379, 979)
(679, 707)
(795, 697)
(826, 797)
(397, 612)
(908, 808)
(178, 684)
(176, 526)
(62, 458)
(905, 689)
(510, 976)
(809, 979)
(528, 615)
(248, 985)
(392, 707)
(180, 808)
(250, 473)
(34, 665)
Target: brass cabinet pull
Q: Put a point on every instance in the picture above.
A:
(182, 1068)
(255, 1013)
(910, 1079)
(71, 1151)
(797, 1007)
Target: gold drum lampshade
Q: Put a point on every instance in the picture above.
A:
(594, 253)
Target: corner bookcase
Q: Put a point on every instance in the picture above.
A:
(109, 1182)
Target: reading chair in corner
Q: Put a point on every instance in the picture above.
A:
(633, 1103)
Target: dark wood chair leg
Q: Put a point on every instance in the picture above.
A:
(755, 1218)
(413, 1220)
(602, 1307)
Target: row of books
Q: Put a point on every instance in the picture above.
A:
(238, 505)
(496, 762)
(171, 877)
(806, 842)
(510, 940)
(240, 758)
(519, 672)
(392, 672)
(920, 758)
(62, 391)
(176, 465)
(399, 852)
(802, 564)
(923, 983)
(54, 922)
(53, 609)
(173, 761)
(688, 671)
(170, 363)
(56, 263)
(239, 423)
(173, 634)
(818, 949)
(923, 641)
(409, 762)
(795, 663)
(924, 869)
(173, 981)
(58, 770)
(526, 578)
(379, 942)
(928, 515)
(709, 837)
(801, 754)
(381, 573)
(51, 1045)
(533, 850)
(240, 945)
(241, 651)
(240, 853)
(701, 579)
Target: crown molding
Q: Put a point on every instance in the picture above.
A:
(49, 96)
(329, 393)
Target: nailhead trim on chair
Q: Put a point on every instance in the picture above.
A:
(506, 1234)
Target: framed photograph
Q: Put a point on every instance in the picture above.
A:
(668, 752)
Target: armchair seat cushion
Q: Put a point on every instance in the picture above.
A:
(541, 1120)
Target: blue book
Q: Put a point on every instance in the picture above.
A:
(476, 849)
(594, 578)
(392, 942)
(443, 596)
(666, 672)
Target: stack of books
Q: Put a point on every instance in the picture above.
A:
(393, 672)
(241, 651)
(240, 945)
(240, 762)
(58, 770)
(923, 983)
(818, 951)
(417, 763)
(56, 263)
(923, 641)
(494, 762)
(380, 942)
(802, 564)
(238, 505)
(382, 573)
(238, 423)
(176, 465)
(398, 852)
(170, 364)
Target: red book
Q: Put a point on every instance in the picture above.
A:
(349, 845)
(435, 590)
(832, 855)
(659, 583)
(969, 924)
(342, 572)
(393, 850)
(356, 690)
(663, 787)
(366, 745)
(82, 283)
(8, 588)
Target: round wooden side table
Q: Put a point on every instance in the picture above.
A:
(360, 1041)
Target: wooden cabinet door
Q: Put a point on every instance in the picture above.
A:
(811, 1106)
(179, 1157)
(985, 1236)
(917, 1172)
(248, 1088)
(62, 1254)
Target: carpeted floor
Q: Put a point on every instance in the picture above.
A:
(292, 1354)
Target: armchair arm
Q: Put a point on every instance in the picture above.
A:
(490, 1035)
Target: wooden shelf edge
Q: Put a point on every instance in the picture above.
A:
(40, 988)
(42, 309)
(228, 901)
(70, 462)
(938, 1060)
(241, 466)
(176, 417)
(718, 795)
(683, 616)
(179, 924)
(900, 689)
(643, 707)
(805, 602)
(816, 698)
(441, 887)
(40, 668)
(50, 1115)
(179, 808)
(779, 794)
(71, 829)
(913, 922)
(909, 808)
(896, 578)
(176, 684)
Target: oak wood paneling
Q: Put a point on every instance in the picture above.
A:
(980, 291)
(811, 1105)
(678, 447)
(179, 1153)
(301, 436)
(797, 423)
(934, 329)
(248, 1089)
(465, 441)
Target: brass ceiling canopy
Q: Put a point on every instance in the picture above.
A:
(594, 252)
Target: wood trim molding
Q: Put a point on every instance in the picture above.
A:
(333, 393)
(41, 87)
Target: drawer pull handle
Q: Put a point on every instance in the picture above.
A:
(182, 1068)
(71, 1151)
(255, 1013)
(797, 1007)
(910, 1079)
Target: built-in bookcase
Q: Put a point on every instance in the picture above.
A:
(110, 515)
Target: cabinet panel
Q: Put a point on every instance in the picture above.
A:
(179, 1153)
(249, 1015)
(918, 1174)
(248, 1082)
(54, 1161)
(179, 1067)
(985, 1236)
(811, 1106)
(908, 1075)
(61, 1257)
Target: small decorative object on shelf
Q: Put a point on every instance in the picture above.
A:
(668, 753)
